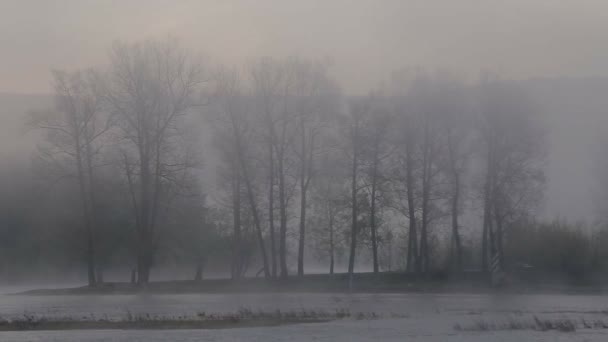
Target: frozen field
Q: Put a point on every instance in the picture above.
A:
(423, 317)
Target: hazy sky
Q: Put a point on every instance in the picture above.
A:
(365, 39)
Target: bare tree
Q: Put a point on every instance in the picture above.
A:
(419, 177)
(456, 129)
(272, 85)
(329, 201)
(358, 111)
(230, 103)
(315, 101)
(74, 130)
(375, 151)
(404, 167)
(513, 154)
(152, 87)
(266, 88)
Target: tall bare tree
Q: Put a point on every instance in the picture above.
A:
(266, 89)
(455, 113)
(152, 87)
(358, 111)
(315, 98)
(74, 130)
(329, 201)
(375, 151)
(231, 106)
(514, 155)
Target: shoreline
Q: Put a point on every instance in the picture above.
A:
(338, 283)
(148, 325)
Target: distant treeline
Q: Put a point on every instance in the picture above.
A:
(425, 173)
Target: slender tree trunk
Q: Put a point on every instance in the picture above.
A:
(413, 259)
(372, 213)
(484, 247)
(354, 230)
(282, 214)
(90, 251)
(410, 249)
(200, 265)
(491, 232)
(331, 243)
(236, 220)
(302, 230)
(499, 232)
(256, 218)
(273, 250)
(90, 260)
(487, 216)
(486, 224)
(457, 244)
(258, 227)
(303, 188)
(426, 189)
(390, 254)
(143, 267)
(99, 274)
(250, 196)
(93, 208)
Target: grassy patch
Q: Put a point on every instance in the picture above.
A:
(202, 320)
(534, 323)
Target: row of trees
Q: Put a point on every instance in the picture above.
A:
(391, 175)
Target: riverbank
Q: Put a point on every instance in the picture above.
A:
(362, 282)
(243, 318)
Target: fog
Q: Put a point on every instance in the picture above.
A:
(301, 137)
(373, 168)
(365, 40)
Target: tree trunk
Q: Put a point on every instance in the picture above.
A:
(273, 250)
(455, 230)
(303, 188)
(143, 271)
(487, 249)
(250, 195)
(236, 220)
(90, 260)
(92, 208)
(283, 217)
(198, 275)
(499, 232)
(331, 244)
(484, 247)
(486, 224)
(412, 260)
(426, 189)
(372, 214)
(256, 221)
(90, 251)
(302, 231)
(354, 229)
(99, 274)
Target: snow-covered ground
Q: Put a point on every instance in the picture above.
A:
(421, 317)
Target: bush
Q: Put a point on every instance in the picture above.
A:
(555, 247)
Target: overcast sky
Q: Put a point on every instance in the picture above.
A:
(366, 39)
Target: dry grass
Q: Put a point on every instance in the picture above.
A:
(202, 320)
(534, 323)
